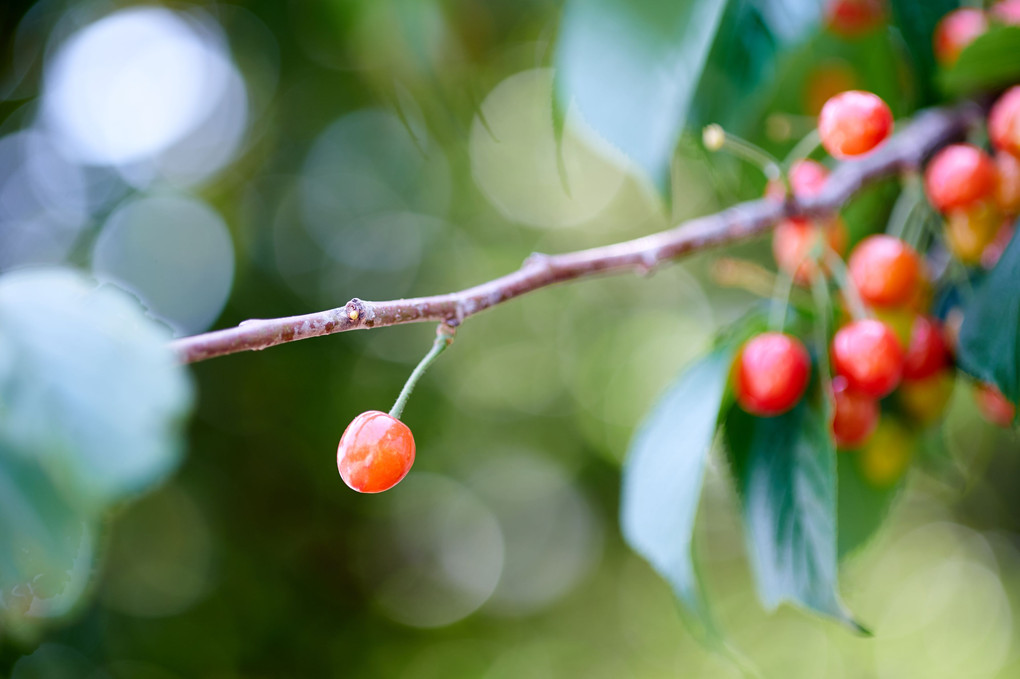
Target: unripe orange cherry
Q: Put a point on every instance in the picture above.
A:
(959, 176)
(1007, 190)
(927, 353)
(853, 123)
(855, 415)
(794, 240)
(955, 31)
(376, 451)
(1004, 122)
(885, 270)
(970, 230)
(772, 373)
(868, 354)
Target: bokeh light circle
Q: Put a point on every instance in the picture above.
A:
(175, 253)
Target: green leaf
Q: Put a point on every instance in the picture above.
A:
(989, 347)
(742, 67)
(785, 471)
(663, 475)
(88, 387)
(991, 61)
(916, 22)
(631, 68)
(862, 506)
(46, 547)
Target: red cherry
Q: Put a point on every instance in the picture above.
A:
(376, 451)
(869, 356)
(852, 18)
(1007, 12)
(994, 407)
(853, 123)
(855, 415)
(958, 176)
(1004, 122)
(927, 353)
(772, 374)
(955, 31)
(886, 271)
(807, 178)
(794, 240)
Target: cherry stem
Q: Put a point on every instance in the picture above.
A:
(444, 338)
(780, 301)
(804, 148)
(849, 290)
(717, 139)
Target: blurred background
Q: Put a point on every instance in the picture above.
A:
(260, 158)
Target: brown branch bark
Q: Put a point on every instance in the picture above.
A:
(906, 150)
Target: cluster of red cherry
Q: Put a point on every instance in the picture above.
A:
(978, 196)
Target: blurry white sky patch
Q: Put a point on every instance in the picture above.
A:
(149, 91)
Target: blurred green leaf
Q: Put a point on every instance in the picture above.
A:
(916, 22)
(753, 37)
(862, 507)
(785, 471)
(991, 61)
(631, 67)
(46, 547)
(989, 347)
(663, 475)
(88, 387)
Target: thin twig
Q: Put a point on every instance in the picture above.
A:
(929, 131)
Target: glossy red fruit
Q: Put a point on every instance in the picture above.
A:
(1006, 12)
(807, 178)
(794, 240)
(853, 18)
(886, 271)
(772, 373)
(993, 405)
(855, 415)
(869, 356)
(955, 31)
(1004, 122)
(853, 123)
(927, 353)
(958, 176)
(376, 451)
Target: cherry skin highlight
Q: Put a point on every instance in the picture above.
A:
(853, 123)
(855, 415)
(772, 374)
(886, 271)
(959, 176)
(927, 353)
(376, 451)
(869, 356)
(955, 31)
(1004, 122)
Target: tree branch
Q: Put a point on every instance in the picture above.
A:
(906, 150)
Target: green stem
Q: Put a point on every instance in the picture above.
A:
(444, 338)
(842, 276)
(804, 148)
(780, 301)
(717, 139)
